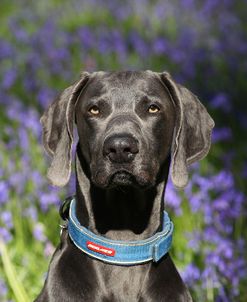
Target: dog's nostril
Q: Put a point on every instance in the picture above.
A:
(127, 150)
(112, 150)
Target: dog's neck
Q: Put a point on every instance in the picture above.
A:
(122, 213)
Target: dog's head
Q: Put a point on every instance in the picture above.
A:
(128, 124)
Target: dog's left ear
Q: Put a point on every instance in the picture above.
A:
(192, 133)
(57, 125)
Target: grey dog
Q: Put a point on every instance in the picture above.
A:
(132, 126)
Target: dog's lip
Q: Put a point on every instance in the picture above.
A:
(102, 179)
(107, 178)
(121, 171)
(121, 176)
(126, 178)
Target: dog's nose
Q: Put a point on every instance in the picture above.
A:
(120, 148)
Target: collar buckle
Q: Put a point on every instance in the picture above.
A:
(64, 213)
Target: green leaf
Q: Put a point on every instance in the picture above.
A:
(14, 283)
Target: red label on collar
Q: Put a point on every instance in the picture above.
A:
(100, 249)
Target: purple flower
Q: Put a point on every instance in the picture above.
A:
(86, 37)
(47, 199)
(178, 55)
(9, 78)
(188, 4)
(194, 240)
(17, 180)
(221, 101)
(14, 110)
(172, 198)
(196, 202)
(210, 276)
(160, 46)
(31, 121)
(3, 288)
(104, 43)
(223, 180)
(162, 10)
(31, 212)
(23, 139)
(210, 234)
(17, 30)
(221, 134)
(6, 218)
(5, 235)
(119, 44)
(139, 44)
(45, 97)
(38, 232)
(6, 49)
(204, 183)
(37, 179)
(4, 192)
(191, 274)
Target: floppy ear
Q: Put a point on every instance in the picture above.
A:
(192, 133)
(57, 124)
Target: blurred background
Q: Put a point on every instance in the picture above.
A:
(203, 44)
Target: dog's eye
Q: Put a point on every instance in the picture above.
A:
(153, 109)
(94, 110)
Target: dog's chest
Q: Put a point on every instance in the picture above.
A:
(121, 283)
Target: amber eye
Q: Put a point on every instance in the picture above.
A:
(153, 109)
(94, 110)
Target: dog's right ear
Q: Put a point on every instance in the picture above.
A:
(57, 124)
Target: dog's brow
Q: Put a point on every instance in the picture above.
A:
(97, 98)
(149, 98)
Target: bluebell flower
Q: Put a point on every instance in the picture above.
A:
(4, 192)
(6, 218)
(38, 232)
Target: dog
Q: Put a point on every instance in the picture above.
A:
(133, 126)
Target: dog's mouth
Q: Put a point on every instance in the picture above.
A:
(121, 178)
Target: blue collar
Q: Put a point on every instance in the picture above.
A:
(116, 251)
